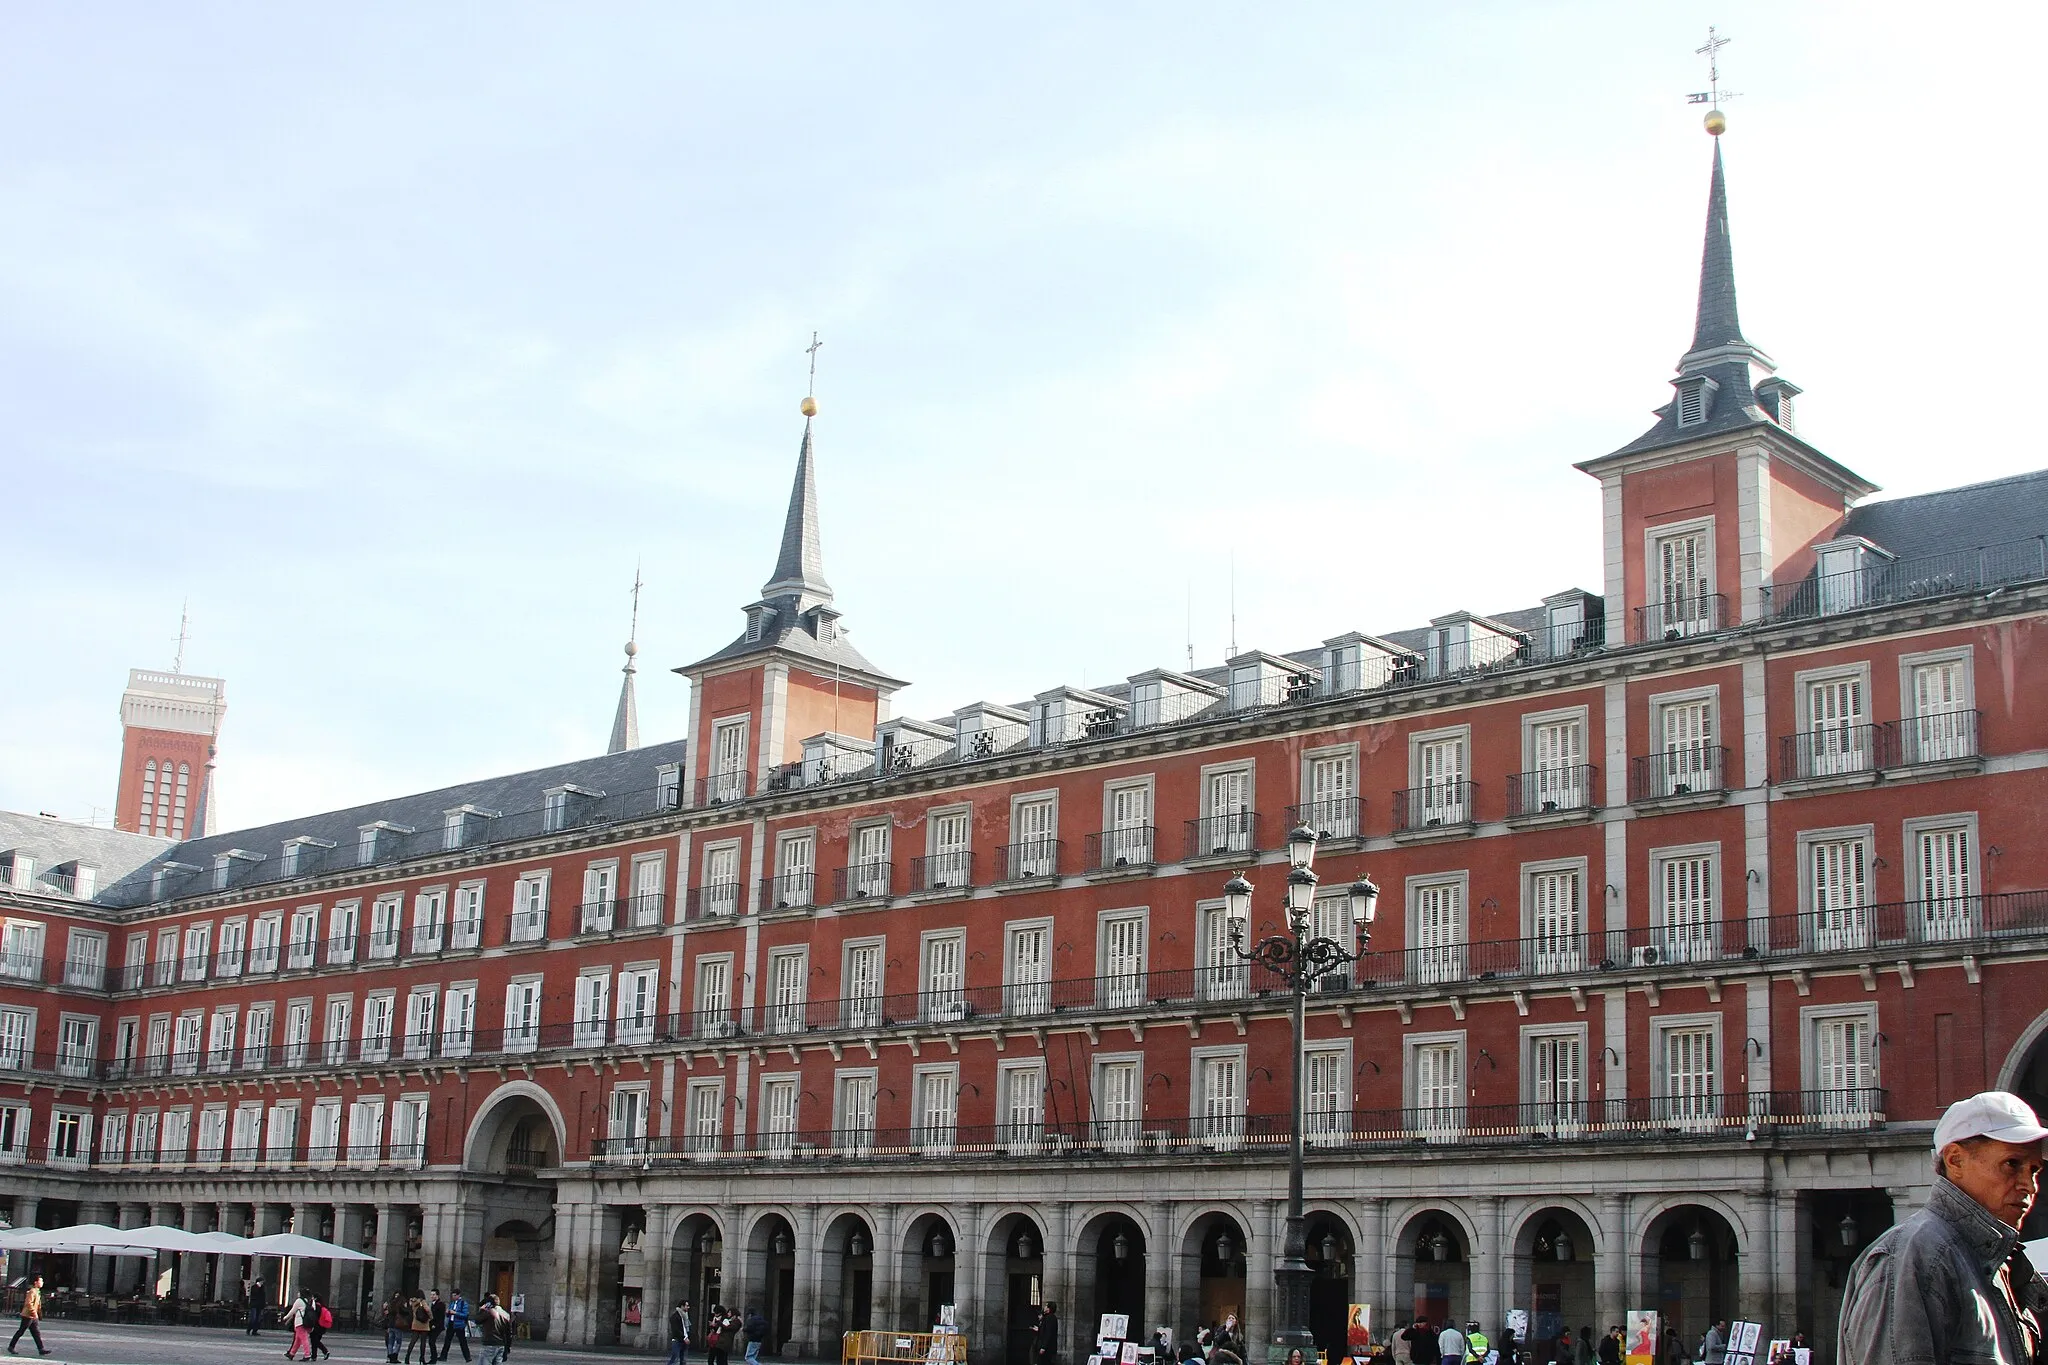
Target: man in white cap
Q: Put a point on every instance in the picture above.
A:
(1952, 1282)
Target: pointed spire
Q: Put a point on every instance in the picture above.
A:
(626, 721)
(1716, 323)
(800, 567)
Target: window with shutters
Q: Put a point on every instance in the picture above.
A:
(1941, 722)
(323, 1134)
(950, 859)
(1836, 737)
(1219, 1097)
(245, 1136)
(256, 1038)
(1685, 1095)
(458, 1020)
(1687, 758)
(1221, 973)
(729, 759)
(1228, 825)
(522, 1015)
(1330, 786)
(378, 1009)
(626, 1124)
(1687, 919)
(1841, 1065)
(1439, 791)
(281, 1133)
(650, 885)
(942, 975)
(1944, 877)
(335, 1028)
(1554, 1081)
(305, 932)
(78, 1038)
(1120, 959)
(637, 1005)
(1027, 968)
(1034, 837)
(1681, 599)
(366, 1131)
(1555, 916)
(1837, 890)
(933, 1091)
(868, 869)
(298, 1031)
(778, 1114)
(145, 1141)
(599, 911)
(1556, 776)
(1114, 1101)
(1436, 1086)
(220, 1041)
(1130, 833)
(788, 970)
(714, 997)
(429, 919)
(113, 1138)
(344, 923)
(419, 1021)
(1436, 929)
(213, 1134)
(196, 939)
(466, 927)
(853, 1112)
(593, 1008)
(265, 936)
(704, 1117)
(530, 908)
(795, 870)
(861, 983)
(234, 935)
(719, 893)
(1020, 1105)
(1326, 1104)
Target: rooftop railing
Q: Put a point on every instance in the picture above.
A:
(1892, 582)
(1681, 617)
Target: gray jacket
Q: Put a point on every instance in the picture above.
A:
(1924, 1292)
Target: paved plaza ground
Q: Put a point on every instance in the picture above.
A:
(104, 1343)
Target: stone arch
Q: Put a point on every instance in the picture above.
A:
(1211, 1246)
(1553, 1266)
(1012, 1267)
(1105, 1282)
(1332, 1253)
(1691, 1287)
(1442, 1277)
(769, 1279)
(929, 1259)
(2020, 1059)
(491, 1131)
(846, 1254)
(697, 1261)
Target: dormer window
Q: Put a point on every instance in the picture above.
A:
(760, 617)
(554, 811)
(1776, 395)
(21, 871)
(1695, 400)
(378, 840)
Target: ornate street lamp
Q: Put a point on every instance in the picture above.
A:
(856, 1245)
(1300, 958)
(1561, 1245)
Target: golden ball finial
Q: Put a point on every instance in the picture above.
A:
(809, 407)
(1717, 122)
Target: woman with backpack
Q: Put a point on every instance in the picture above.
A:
(420, 1320)
(301, 1340)
(319, 1318)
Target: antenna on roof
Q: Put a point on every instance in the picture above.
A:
(184, 634)
(1233, 604)
(1190, 624)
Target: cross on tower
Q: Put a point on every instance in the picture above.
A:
(634, 634)
(1711, 50)
(812, 349)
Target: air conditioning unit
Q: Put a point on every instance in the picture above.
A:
(952, 1011)
(1649, 955)
(725, 1028)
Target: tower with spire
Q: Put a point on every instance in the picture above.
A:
(626, 720)
(1721, 498)
(792, 685)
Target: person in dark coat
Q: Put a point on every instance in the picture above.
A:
(1046, 1336)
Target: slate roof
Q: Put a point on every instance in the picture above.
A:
(111, 853)
(1956, 518)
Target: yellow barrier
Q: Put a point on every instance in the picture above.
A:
(924, 1348)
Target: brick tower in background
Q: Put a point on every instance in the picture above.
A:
(169, 723)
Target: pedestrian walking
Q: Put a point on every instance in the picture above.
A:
(252, 1303)
(714, 1336)
(437, 1312)
(1450, 1344)
(1420, 1341)
(494, 1325)
(1046, 1335)
(1610, 1347)
(394, 1327)
(1953, 1281)
(31, 1317)
(679, 1334)
(1714, 1345)
(319, 1317)
(420, 1324)
(456, 1326)
(302, 1341)
(756, 1332)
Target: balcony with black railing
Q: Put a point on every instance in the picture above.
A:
(715, 900)
(1030, 860)
(1233, 834)
(789, 891)
(1333, 819)
(723, 788)
(1436, 808)
(1692, 773)
(1682, 617)
(952, 870)
(1919, 578)
(1830, 752)
(1561, 790)
(1131, 848)
(862, 882)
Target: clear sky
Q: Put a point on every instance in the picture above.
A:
(393, 335)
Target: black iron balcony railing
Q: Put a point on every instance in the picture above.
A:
(1698, 614)
(1341, 817)
(949, 871)
(1693, 770)
(1853, 750)
(790, 891)
(1030, 860)
(861, 881)
(716, 900)
(1550, 791)
(722, 788)
(1939, 737)
(1131, 846)
(1232, 834)
(1916, 579)
(1435, 805)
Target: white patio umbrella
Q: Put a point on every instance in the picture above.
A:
(86, 1238)
(292, 1244)
(161, 1237)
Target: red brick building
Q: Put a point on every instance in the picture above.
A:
(1702, 895)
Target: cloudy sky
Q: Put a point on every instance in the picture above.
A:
(394, 335)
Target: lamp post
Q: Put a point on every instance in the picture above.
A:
(1300, 957)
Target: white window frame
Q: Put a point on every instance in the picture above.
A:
(721, 899)
(530, 907)
(784, 1010)
(715, 1018)
(772, 1134)
(1116, 1133)
(1440, 801)
(1238, 830)
(458, 1019)
(647, 906)
(863, 1010)
(1547, 954)
(522, 1035)
(344, 923)
(1130, 845)
(854, 1138)
(1120, 990)
(1217, 1129)
(1337, 823)
(1021, 995)
(429, 919)
(1653, 595)
(1438, 963)
(1027, 1136)
(1677, 941)
(721, 783)
(948, 866)
(1436, 1124)
(941, 1003)
(1675, 774)
(1665, 1106)
(1943, 920)
(1927, 740)
(1845, 927)
(636, 983)
(1331, 1125)
(934, 1138)
(1554, 1116)
(867, 878)
(597, 912)
(795, 887)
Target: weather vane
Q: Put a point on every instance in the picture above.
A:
(810, 403)
(1712, 96)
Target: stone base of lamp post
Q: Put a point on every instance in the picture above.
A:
(1291, 1280)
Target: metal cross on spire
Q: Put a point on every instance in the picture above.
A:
(184, 634)
(812, 350)
(1711, 50)
(634, 633)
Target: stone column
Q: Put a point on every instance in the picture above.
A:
(348, 1275)
(268, 1219)
(305, 1223)
(1057, 1272)
(1488, 1258)
(192, 1264)
(887, 1266)
(230, 1218)
(466, 1241)
(970, 1263)
(389, 1271)
(606, 1230)
(435, 1227)
(803, 1320)
(572, 1273)
(128, 1271)
(1162, 1273)
(1370, 1265)
(656, 1262)
(1261, 1258)
(1615, 1284)
(26, 1206)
